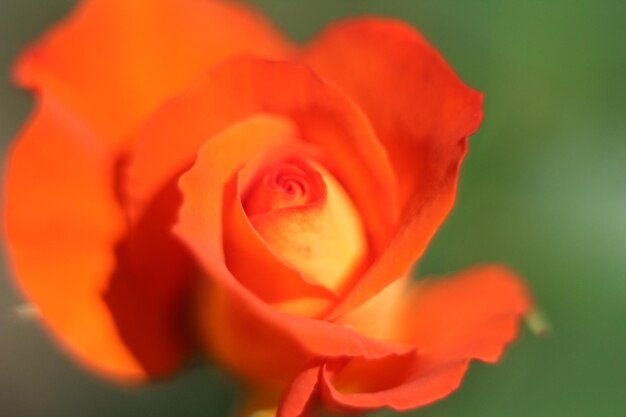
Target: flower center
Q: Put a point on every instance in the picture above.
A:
(289, 179)
(287, 184)
(308, 220)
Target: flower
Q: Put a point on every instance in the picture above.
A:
(191, 180)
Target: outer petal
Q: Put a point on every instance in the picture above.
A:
(297, 401)
(357, 384)
(401, 385)
(114, 61)
(471, 316)
(98, 75)
(421, 112)
(147, 292)
(277, 344)
(62, 223)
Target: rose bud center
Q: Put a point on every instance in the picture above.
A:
(308, 220)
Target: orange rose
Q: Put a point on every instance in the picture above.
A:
(190, 179)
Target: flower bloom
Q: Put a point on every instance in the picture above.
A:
(190, 180)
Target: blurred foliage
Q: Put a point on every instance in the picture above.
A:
(543, 190)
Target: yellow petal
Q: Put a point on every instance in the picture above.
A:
(325, 241)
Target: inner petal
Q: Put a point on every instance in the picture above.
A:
(307, 218)
(291, 183)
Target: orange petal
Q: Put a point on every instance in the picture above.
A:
(372, 384)
(148, 290)
(114, 61)
(247, 86)
(422, 114)
(298, 398)
(245, 333)
(267, 346)
(349, 385)
(357, 384)
(377, 317)
(62, 224)
(471, 316)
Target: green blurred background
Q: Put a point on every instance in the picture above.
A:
(543, 190)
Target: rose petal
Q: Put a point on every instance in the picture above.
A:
(377, 317)
(300, 394)
(417, 105)
(122, 317)
(473, 315)
(62, 223)
(421, 112)
(114, 61)
(356, 384)
(381, 383)
(148, 298)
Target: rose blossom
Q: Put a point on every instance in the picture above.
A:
(192, 181)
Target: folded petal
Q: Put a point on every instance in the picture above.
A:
(114, 61)
(473, 315)
(149, 288)
(359, 384)
(301, 393)
(421, 112)
(62, 223)
(371, 384)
